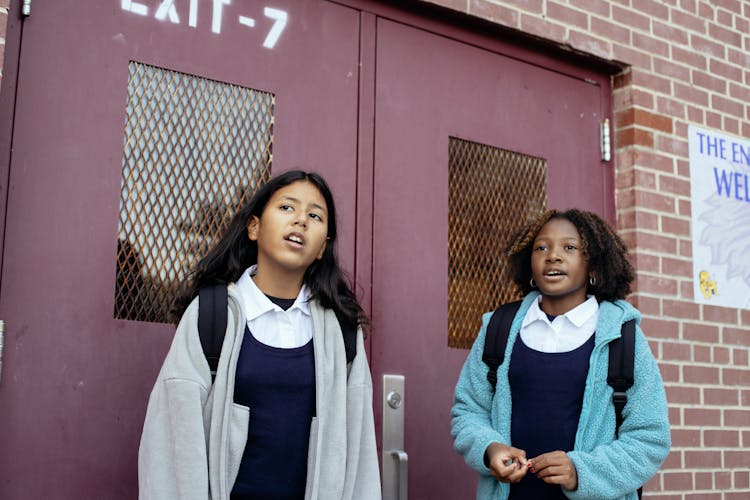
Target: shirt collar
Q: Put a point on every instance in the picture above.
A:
(578, 315)
(256, 302)
(582, 312)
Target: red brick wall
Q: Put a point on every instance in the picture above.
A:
(688, 62)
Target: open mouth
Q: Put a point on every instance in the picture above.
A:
(554, 275)
(294, 238)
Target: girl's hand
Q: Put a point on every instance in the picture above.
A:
(555, 467)
(506, 464)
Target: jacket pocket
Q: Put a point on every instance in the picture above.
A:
(239, 422)
(312, 447)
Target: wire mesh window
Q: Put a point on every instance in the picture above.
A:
(195, 150)
(492, 194)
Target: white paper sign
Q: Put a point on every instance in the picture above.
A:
(720, 191)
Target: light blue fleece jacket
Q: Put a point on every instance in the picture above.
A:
(607, 468)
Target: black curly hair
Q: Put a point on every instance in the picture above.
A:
(607, 254)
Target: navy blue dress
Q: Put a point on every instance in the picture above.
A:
(278, 385)
(547, 397)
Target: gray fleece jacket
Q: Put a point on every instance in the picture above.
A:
(194, 434)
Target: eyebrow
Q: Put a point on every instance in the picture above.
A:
(295, 200)
(566, 239)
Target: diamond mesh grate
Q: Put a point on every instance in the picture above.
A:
(195, 150)
(493, 193)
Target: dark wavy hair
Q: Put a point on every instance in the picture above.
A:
(235, 252)
(607, 254)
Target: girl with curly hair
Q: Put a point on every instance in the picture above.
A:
(548, 430)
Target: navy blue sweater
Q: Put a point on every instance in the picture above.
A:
(278, 385)
(547, 397)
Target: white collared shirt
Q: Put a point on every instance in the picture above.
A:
(565, 333)
(269, 323)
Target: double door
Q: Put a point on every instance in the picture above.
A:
(364, 94)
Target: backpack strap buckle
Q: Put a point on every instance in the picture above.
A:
(619, 398)
(492, 376)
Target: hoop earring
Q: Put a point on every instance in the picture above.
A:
(531, 282)
(592, 280)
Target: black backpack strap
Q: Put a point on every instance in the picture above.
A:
(496, 338)
(621, 369)
(349, 330)
(212, 322)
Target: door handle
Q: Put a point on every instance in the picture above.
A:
(402, 474)
(394, 459)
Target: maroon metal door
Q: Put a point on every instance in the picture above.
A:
(75, 380)
(430, 88)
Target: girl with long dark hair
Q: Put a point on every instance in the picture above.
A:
(287, 417)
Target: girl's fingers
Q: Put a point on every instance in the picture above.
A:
(509, 472)
(506, 463)
(517, 475)
(549, 459)
(551, 472)
(555, 468)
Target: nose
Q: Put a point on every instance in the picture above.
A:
(301, 219)
(553, 255)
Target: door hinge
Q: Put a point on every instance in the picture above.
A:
(26, 8)
(606, 143)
